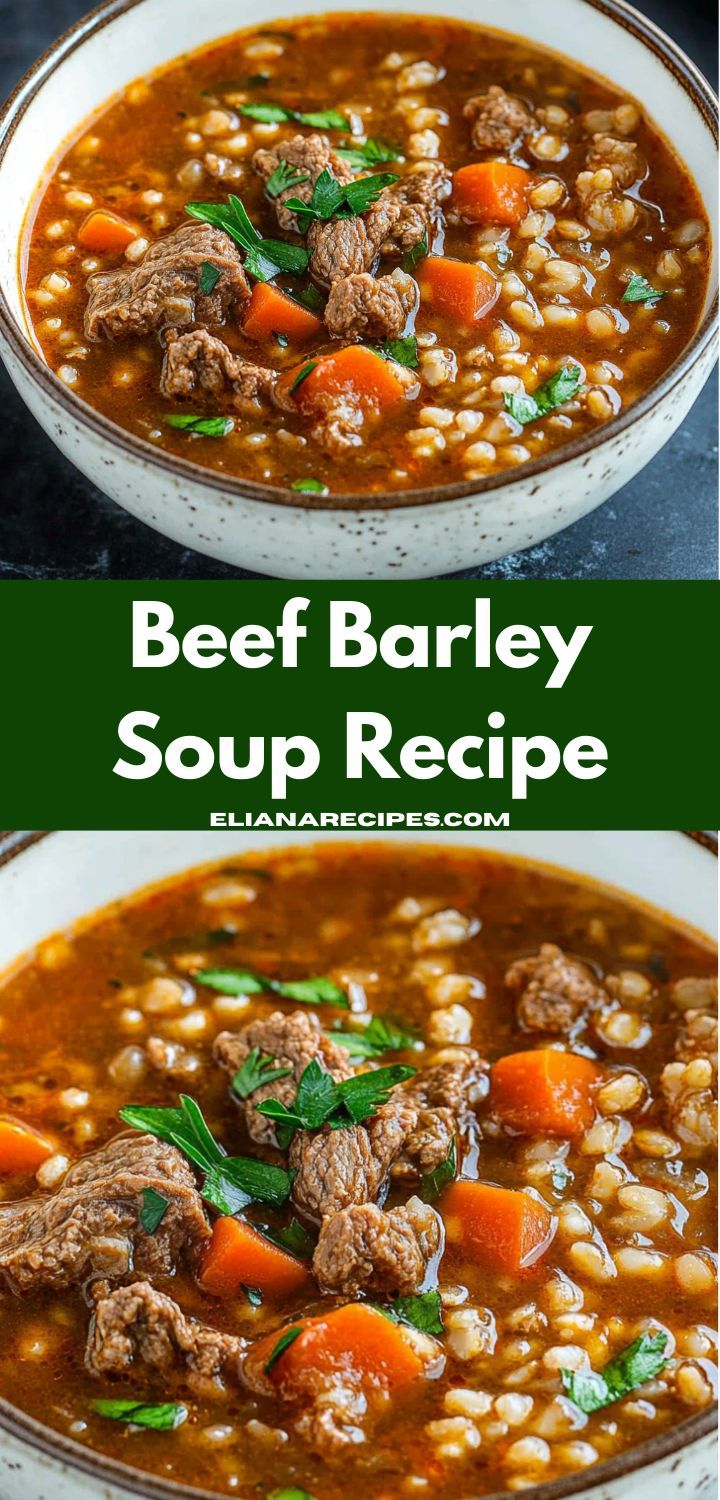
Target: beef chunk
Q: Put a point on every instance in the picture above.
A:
(163, 291)
(498, 120)
(171, 1059)
(198, 363)
(360, 306)
(292, 1041)
(91, 1225)
(364, 1249)
(309, 155)
(344, 247)
(554, 990)
(623, 158)
(136, 1329)
(418, 196)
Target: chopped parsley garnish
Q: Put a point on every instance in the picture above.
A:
(153, 1211)
(412, 257)
(256, 1071)
(310, 487)
(372, 154)
(263, 258)
(432, 1184)
(302, 375)
(214, 427)
(318, 991)
(285, 176)
(162, 1418)
(641, 1361)
(379, 1036)
(403, 351)
(230, 1183)
(307, 296)
(292, 1237)
(640, 290)
(561, 387)
(209, 277)
(424, 1311)
(321, 1101)
(333, 199)
(275, 114)
(285, 1340)
(253, 1294)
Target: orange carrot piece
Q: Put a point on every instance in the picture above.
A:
(505, 1229)
(22, 1149)
(543, 1092)
(105, 232)
(355, 372)
(272, 311)
(491, 192)
(354, 1341)
(457, 288)
(238, 1256)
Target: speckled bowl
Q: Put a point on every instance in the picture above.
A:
(408, 534)
(48, 881)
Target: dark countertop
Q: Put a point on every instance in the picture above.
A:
(54, 524)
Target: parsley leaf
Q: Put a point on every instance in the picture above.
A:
(330, 197)
(640, 290)
(285, 1340)
(561, 387)
(321, 1101)
(364, 1094)
(371, 154)
(291, 1492)
(230, 1182)
(319, 991)
(412, 257)
(360, 194)
(641, 1361)
(403, 351)
(162, 1418)
(214, 427)
(379, 1036)
(209, 277)
(302, 375)
(307, 296)
(253, 1294)
(292, 1237)
(285, 176)
(310, 487)
(263, 258)
(153, 1211)
(423, 1311)
(432, 1183)
(256, 1070)
(275, 114)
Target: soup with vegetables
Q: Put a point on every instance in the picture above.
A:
(361, 1169)
(366, 253)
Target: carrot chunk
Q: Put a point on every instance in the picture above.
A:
(491, 192)
(543, 1092)
(505, 1229)
(355, 1343)
(457, 288)
(238, 1256)
(22, 1148)
(354, 372)
(106, 232)
(272, 311)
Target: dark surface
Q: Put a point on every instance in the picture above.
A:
(54, 524)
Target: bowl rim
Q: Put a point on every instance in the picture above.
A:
(228, 488)
(232, 487)
(56, 1447)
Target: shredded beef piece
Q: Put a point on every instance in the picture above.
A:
(137, 1326)
(163, 290)
(360, 306)
(343, 247)
(691, 1104)
(222, 169)
(292, 1042)
(608, 214)
(554, 990)
(418, 196)
(171, 1058)
(623, 158)
(498, 120)
(198, 363)
(91, 1225)
(364, 1249)
(311, 155)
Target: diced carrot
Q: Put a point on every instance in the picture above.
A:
(355, 1342)
(458, 288)
(105, 232)
(492, 192)
(238, 1256)
(505, 1229)
(272, 311)
(543, 1092)
(22, 1148)
(354, 372)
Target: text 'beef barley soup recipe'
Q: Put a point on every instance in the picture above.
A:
(366, 254)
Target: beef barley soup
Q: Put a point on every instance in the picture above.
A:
(385, 1171)
(366, 253)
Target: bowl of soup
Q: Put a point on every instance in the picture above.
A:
(360, 294)
(380, 1167)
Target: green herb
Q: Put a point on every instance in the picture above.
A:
(214, 427)
(302, 375)
(263, 258)
(432, 1183)
(161, 1418)
(412, 257)
(379, 1036)
(281, 339)
(640, 290)
(253, 1294)
(403, 351)
(308, 296)
(333, 199)
(290, 1493)
(641, 1361)
(256, 1071)
(286, 1339)
(561, 387)
(275, 114)
(321, 1101)
(318, 991)
(256, 80)
(230, 1182)
(285, 176)
(153, 1211)
(371, 154)
(292, 1237)
(310, 487)
(209, 277)
(423, 1311)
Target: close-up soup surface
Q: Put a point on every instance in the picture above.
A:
(361, 1170)
(492, 251)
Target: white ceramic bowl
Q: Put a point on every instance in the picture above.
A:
(409, 535)
(48, 881)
